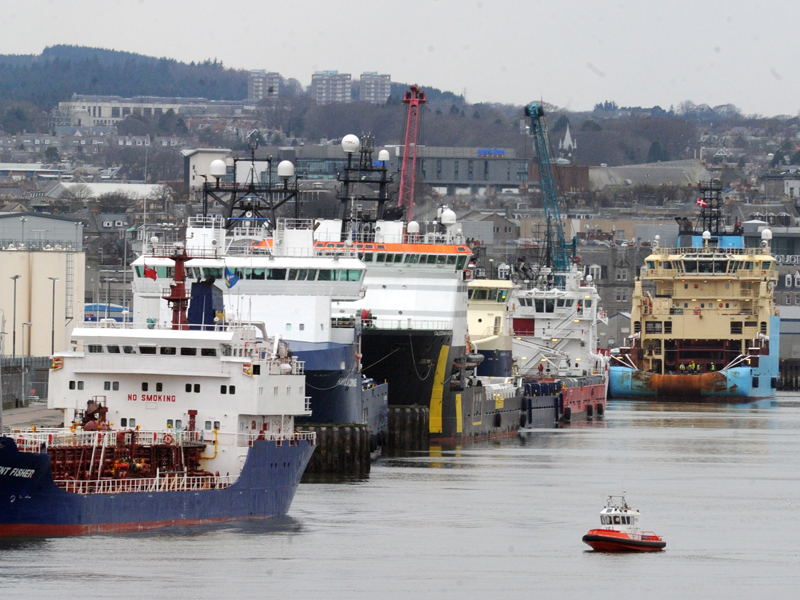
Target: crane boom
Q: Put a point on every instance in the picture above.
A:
(414, 97)
(557, 248)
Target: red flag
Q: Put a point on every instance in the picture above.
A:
(150, 273)
(702, 203)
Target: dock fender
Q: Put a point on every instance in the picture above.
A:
(523, 419)
(589, 411)
(600, 410)
(498, 420)
(567, 414)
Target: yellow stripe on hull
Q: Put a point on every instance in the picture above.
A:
(437, 394)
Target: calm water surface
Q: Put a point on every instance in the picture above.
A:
(492, 520)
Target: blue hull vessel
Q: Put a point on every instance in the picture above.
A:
(32, 504)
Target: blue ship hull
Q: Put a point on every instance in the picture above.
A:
(740, 384)
(32, 504)
(496, 363)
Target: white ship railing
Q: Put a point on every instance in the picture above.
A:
(35, 441)
(712, 250)
(413, 324)
(176, 482)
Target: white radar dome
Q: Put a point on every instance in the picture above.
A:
(351, 144)
(448, 217)
(706, 235)
(413, 227)
(766, 235)
(285, 169)
(383, 156)
(218, 168)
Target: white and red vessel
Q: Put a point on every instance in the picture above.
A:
(554, 326)
(621, 531)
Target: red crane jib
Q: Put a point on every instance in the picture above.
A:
(413, 97)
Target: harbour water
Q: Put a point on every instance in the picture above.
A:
(500, 519)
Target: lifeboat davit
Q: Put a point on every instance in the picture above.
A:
(621, 531)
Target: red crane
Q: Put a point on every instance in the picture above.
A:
(413, 97)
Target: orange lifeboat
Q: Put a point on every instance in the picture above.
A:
(621, 531)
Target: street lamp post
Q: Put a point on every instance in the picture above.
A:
(24, 394)
(14, 321)
(22, 220)
(53, 319)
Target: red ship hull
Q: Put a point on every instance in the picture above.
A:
(608, 540)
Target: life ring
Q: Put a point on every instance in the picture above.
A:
(576, 259)
(168, 439)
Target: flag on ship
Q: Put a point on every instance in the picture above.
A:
(702, 203)
(231, 279)
(150, 273)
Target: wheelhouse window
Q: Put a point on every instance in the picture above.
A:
(188, 351)
(208, 351)
(112, 349)
(94, 349)
(147, 349)
(168, 350)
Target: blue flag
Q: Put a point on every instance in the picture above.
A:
(230, 278)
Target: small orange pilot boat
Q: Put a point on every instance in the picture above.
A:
(621, 532)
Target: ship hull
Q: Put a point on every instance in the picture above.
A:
(335, 388)
(611, 541)
(496, 363)
(32, 504)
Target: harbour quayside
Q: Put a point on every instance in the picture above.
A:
(707, 329)
(250, 264)
(161, 426)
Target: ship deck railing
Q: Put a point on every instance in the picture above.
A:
(166, 482)
(36, 441)
(409, 323)
(711, 252)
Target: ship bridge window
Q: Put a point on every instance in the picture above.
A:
(748, 266)
(705, 266)
(112, 349)
(256, 273)
(147, 349)
(441, 259)
(569, 302)
(560, 303)
(94, 349)
(212, 272)
(550, 305)
(720, 266)
(492, 294)
(327, 274)
(169, 350)
(226, 350)
(188, 351)
(587, 303)
(480, 294)
(502, 295)
(380, 258)
(451, 260)
(539, 302)
(139, 270)
(276, 274)
(690, 265)
(208, 351)
(668, 264)
(652, 327)
(651, 264)
(616, 520)
(351, 274)
(368, 257)
(165, 272)
(462, 260)
(412, 259)
(302, 274)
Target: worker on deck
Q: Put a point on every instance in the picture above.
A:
(713, 366)
(682, 368)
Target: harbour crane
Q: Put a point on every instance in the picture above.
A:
(556, 254)
(414, 97)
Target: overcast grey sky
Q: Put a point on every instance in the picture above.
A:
(572, 53)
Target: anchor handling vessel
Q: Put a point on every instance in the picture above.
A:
(709, 330)
(161, 426)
